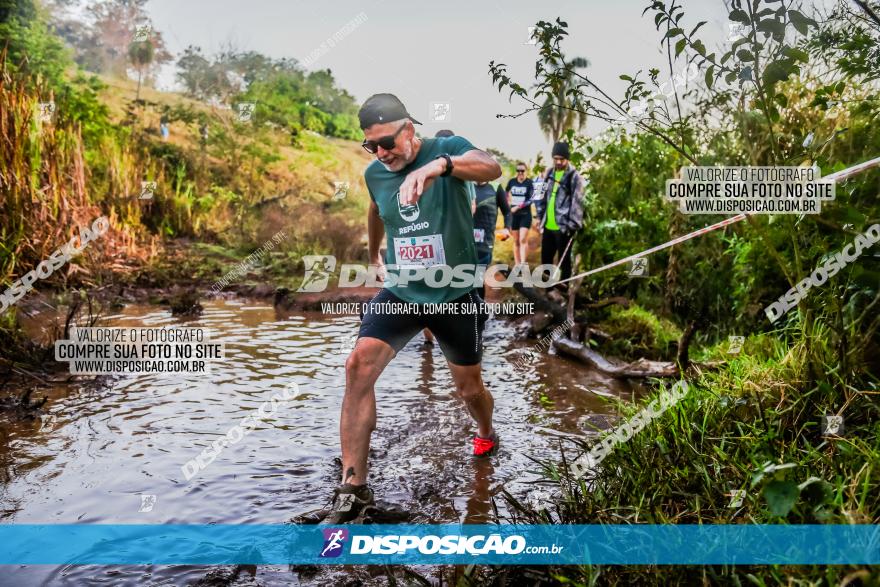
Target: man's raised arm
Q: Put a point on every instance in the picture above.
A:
(475, 165)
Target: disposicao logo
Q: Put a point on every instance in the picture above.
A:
(449, 544)
(334, 540)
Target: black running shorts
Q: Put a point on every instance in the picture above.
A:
(522, 219)
(459, 329)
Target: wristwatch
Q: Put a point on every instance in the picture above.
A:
(449, 165)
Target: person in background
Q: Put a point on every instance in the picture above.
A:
(519, 193)
(489, 200)
(163, 127)
(561, 210)
(468, 184)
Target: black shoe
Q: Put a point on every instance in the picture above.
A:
(349, 501)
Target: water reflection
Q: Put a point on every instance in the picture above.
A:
(116, 441)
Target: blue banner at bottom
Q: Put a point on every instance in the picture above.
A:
(439, 544)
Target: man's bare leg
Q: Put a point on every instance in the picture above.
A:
(363, 367)
(479, 402)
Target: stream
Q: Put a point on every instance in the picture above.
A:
(106, 445)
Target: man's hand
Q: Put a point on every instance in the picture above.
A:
(416, 182)
(381, 272)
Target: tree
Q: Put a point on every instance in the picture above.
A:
(113, 27)
(102, 41)
(194, 72)
(555, 119)
(220, 77)
(850, 43)
(287, 96)
(31, 48)
(141, 54)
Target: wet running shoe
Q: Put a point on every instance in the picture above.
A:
(348, 503)
(485, 447)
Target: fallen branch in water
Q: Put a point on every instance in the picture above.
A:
(639, 368)
(558, 310)
(551, 311)
(542, 302)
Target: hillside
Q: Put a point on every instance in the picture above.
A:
(292, 188)
(302, 175)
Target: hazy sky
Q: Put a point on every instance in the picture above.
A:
(437, 52)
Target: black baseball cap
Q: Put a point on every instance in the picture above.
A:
(382, 108)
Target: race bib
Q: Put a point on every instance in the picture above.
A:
(517, 200)
(539, 187)
(425, 251)
(479, 235)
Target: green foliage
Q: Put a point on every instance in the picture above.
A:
(754, 108)
(32, 49)
(292, 99)
(848, 42)
(217, 179)
(741, 432)
(141, 53)
(622, 213)
(790, 91)
(554, 119)
(78, 104)
(636, 332)
(285, 95)
(37, 55)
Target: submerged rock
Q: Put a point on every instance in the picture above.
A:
(382, 512)
(185, 303)
(21, 407)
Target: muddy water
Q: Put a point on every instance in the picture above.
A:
(106, 445)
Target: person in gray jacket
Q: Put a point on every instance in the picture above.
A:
(561, 210)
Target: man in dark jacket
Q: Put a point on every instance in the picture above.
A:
(561, 210)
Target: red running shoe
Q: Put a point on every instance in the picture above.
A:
(485, 447)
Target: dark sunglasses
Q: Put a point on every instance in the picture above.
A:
(520, 170)
(386, 142)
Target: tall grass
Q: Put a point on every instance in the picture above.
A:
(755, 426)
(42, 179)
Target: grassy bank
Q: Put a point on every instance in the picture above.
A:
(753, 427)
(750, 432)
